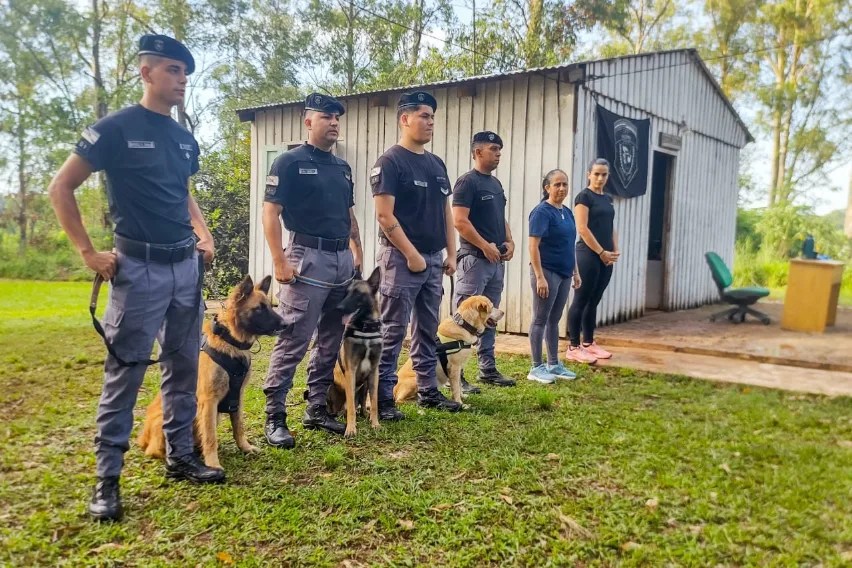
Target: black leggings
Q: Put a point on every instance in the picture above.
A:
(583, 314)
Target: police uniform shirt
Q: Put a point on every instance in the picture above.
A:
(148, 159)
(483, 195)
(315, 189)
(420, 185)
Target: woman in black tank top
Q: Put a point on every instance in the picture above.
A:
(597, 252)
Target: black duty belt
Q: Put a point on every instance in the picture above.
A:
(150, 252)
(463, 252)
(329, 245)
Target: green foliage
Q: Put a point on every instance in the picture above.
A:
(222, 189)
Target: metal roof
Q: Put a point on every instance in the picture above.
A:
(248, 113)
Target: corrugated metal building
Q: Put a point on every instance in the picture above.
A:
(546, 118)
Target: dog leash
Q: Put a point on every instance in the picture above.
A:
(319, 283)
(93, 306)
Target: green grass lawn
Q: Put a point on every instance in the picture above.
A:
(618, 467)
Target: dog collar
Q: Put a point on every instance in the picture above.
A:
(222, 332)
(458, 319)
(365, 329)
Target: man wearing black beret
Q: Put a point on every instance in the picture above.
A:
(154, 270)
(410, 189)
(479, 214)
(311, 191)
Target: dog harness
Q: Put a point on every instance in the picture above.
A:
(362, 329)
(236, 367)
(447, 346)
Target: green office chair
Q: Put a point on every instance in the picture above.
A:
(741, 298)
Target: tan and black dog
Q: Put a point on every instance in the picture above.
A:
(357, 371)
(224, 366)
(456, 337)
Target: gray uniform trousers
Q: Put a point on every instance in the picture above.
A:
(406, 296)
(308, 309)
(149, 300)
(477, 276)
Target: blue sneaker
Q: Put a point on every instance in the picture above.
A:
(540, 374)
(560, 371)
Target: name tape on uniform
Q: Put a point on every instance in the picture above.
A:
(91, 135)
(419, 183)
(308, 171)
(143, 144)
(186, 147)
(487, 197)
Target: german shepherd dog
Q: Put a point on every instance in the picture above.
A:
(460, 333)
(246, 314)
(357, 371)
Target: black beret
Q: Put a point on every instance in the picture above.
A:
(165, 46)
(488, 137)
(416, 99)
(324, 103)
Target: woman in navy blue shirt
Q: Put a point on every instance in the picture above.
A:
(553, 272)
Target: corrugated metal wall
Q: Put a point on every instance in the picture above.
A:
(534, 113)
(673, 92)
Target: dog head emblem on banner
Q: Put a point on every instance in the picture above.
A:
(626, 150)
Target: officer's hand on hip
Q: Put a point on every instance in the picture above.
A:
(450, 265)
(104, 263)
(510, 251)
(205, 247)
(416, 263)
(284, 273)
(491, 253)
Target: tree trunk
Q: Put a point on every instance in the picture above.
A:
(101, 104)
(22, 181)
(532, 49)
(414, 55)
(848, 225)
(350, 48)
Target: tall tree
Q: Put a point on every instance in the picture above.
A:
(726, 40)
(796, 46)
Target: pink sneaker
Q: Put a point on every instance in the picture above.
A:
(597, 351)
(581, 355)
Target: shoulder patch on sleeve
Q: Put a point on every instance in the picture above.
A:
(375, 174)
(272, 180)
(91, 135)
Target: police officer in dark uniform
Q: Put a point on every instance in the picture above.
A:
(311, 190)
(410, 190)
(479, 214)
(154, 269)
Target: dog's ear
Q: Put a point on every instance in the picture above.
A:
(483, 306)
(265, 284)
(244, 288)
(375, 279)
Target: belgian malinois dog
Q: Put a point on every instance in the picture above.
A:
(457, 335)
(224, 367)
(357, 371)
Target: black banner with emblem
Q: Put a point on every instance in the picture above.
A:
(625, 143)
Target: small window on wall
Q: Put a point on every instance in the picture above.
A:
(292, 145)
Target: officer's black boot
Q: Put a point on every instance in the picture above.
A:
(468, 388)
(277, 434)
(436, 399)
(191, 468)
(496, 378)
(317, 416)
(106, 500)
(388, 412)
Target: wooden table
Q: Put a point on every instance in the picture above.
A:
(813, 287)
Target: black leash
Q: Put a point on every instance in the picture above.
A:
(93, 306)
